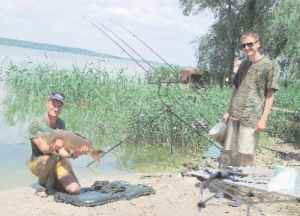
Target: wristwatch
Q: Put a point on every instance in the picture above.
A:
(72, 155)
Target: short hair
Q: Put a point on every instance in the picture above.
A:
(250, 34)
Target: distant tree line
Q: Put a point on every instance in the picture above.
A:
(55, 48)
(276, 21)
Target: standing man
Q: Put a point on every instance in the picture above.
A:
(49, 160)
(252, 97)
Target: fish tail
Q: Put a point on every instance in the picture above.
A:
(96, 155)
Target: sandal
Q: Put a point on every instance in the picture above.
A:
(51, 191)
(41, 191)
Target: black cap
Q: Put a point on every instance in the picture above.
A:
(57, 96)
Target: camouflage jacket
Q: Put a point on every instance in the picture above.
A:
(253, 80)
(39, 125)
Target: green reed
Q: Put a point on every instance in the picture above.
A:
(284, 121)
(107, 106)
(106, 102)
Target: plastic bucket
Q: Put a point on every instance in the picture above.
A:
(218, 132)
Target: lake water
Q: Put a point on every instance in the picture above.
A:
(66, 60)
(14, 142)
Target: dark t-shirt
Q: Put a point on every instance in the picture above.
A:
(39, 125)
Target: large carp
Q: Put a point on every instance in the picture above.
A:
(71, 141)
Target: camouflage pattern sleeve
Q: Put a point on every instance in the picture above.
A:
(32, 131)
(272, 79)
(37, 126)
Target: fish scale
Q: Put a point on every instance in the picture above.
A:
(72, 141)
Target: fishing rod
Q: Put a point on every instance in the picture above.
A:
(90, 18)
(159, 57)
(192, 128)
(135, 132)
(143, 60)
(114, 42)
(137, 62)
(188, 111)
(210, 103)
(140, 41)
(125, 44)
(167, 95)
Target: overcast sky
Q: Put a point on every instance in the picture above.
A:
(158, 23)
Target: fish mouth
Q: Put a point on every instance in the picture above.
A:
(41, 135)
(43, 138)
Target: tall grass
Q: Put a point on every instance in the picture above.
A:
(107, 106)
(284, 122)
(100, 97)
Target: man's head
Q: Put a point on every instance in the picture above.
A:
(55, 104)
(250, 43)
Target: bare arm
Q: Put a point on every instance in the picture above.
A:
(261, 124)
(66, 153)
(45, 148)
(226, 115)
(236, 66)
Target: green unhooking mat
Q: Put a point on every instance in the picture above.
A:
(103, 192)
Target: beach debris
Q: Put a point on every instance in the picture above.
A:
(176, 175)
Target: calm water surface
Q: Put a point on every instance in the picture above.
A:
(66, 60)
(14, 142)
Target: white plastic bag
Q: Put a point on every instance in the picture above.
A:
(284, 179)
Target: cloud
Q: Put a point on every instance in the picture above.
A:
(117, 11)
(7, 6)
(160, 24)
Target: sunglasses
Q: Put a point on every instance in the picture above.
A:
(243, 45)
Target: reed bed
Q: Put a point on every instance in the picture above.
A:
(284, 120)
(107, 106)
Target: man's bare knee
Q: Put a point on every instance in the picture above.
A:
(73, 188)
(70, 183)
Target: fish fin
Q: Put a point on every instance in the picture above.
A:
(81, 136)
(95, 154)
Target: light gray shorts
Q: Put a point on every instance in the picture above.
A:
(240, 138)
(239, 146)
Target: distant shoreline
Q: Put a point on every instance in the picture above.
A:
(63, 49)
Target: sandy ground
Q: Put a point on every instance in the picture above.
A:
(174, 196)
